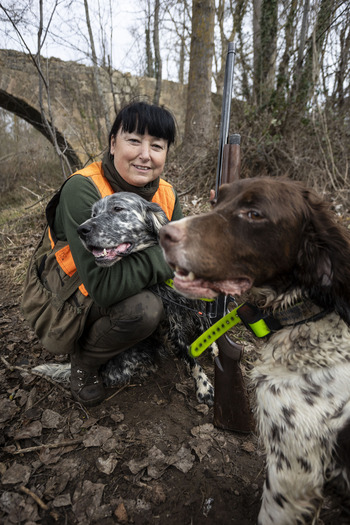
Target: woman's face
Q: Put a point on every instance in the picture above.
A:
(139, 159)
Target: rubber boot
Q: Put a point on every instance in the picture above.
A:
(86, 383)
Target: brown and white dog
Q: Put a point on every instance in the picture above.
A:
(279, 240)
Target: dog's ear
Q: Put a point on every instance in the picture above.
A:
(323, 267)
(156, 217)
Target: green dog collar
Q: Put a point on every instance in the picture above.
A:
(258, 327)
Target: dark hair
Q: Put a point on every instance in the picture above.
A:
(142, 117)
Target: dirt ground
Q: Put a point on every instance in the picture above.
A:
(148, 455)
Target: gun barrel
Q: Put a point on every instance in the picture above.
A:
(225, 110)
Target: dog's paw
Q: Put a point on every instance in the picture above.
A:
(205, 392)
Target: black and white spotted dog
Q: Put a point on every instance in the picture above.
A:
(278, 240)
(122, 224)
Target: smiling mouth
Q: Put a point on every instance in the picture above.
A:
(141, 168)
(107, 256)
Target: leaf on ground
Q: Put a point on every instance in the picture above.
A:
(8, 409)
(51, 419)
(121, 514)
(248, 446)
(107, 465)
(117, 415)
(19, 509)
(183, 459)
(56, 485)
(97, 436)
(157, 462)
(64, 500)
(203, 431)
(86, 499)
(34, 429)
(16, 473)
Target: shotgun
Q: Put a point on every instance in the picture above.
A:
(231, 403)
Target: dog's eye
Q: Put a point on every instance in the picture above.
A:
(251, 215)
(117, 209)
(254, 215)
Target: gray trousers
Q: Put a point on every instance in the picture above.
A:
(109, 331)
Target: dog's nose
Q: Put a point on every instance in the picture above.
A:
(84, 230)
(171, 234)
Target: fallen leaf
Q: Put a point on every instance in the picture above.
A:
(34, 429)
(183, 459)
(136, 465)
(56, 485)
(203, 430)
(51, 419)
(248, 446)
(203, 409)
(157, 494)
(86, 499)
(97, 436)
(8, 409)
(107, 465)
(200, 447)
(16, 473)
(121, 514)
(117, 415)
(62, 501)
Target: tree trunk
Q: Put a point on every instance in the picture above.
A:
(340, 76)
(199, 125)
(149, 55)
(283, 77)
(266, 62)
(182, 49)
(101, 135)
(256, 47)
(157, 57)
(310, 59)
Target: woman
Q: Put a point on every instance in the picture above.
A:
(123, 311)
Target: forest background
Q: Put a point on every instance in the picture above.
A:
(291, 106)
(291, 85)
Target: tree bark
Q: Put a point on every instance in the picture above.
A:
(101, 135)
(157, 57)
(310, 57)
(266, 62)
(198, 125)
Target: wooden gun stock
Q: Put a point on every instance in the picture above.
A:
(231, 162)
(231, 402)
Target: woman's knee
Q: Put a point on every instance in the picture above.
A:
(141, 313)
(150, 309)
(124, 325)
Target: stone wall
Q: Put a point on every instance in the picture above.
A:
(77, 115)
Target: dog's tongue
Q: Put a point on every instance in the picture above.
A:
(111, 252)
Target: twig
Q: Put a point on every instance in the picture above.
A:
(186, 191)
(30, 191)
(39, 501)
(49, 445)
(117, 392)
(35, 497)
(38, 374)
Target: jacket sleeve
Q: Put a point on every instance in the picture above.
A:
(108, 285)
(177, 213)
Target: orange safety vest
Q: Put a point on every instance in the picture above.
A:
(164, 196)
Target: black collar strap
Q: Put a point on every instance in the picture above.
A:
(302, 312)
